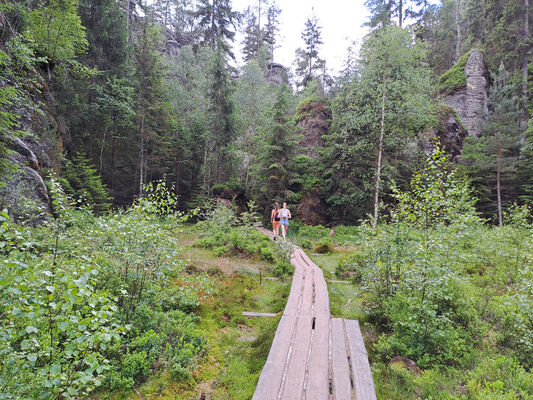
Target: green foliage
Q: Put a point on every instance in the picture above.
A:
(226, 233)
(455, 77)
(392, 85)
(437, 195)
(87, 303)
(323, 245)
(57, 31)
(83, 181)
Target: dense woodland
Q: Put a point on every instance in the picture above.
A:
(142, 92)
(136, 117)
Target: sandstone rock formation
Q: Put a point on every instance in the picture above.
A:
(313, 123)
(470, 102)
(277, 74)
(175, 40)
(449, 131)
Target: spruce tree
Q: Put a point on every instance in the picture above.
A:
(215, 20)
(251, 41)
(272, 29)
(279, 150)
(309, 64)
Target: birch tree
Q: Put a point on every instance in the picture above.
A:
(384, 106)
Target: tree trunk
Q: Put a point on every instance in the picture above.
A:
(205, 168)
(525, 65)
(458, 43)
(259, 38)
(498, 179)
(379, 158)
(141, 169)
(102, 149)
(213, 24)
(400, 13)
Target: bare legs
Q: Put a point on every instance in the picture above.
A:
(284, 231)
(275, 231)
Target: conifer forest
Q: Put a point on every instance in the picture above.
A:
(143, 143)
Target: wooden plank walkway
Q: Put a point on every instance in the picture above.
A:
(314, 356)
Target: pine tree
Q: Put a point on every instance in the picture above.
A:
(309, 64)
(151, 104)
(526, 166)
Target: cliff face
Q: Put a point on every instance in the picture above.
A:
(470, 101)
(313, 123)
(31, 156)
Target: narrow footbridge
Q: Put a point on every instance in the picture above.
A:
(314, 356)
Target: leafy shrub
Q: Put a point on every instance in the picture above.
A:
(69, 299)
(220, 233)
(283, 269)
(323, 245)
(306, 243)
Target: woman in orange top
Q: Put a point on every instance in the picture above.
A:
(275, 219)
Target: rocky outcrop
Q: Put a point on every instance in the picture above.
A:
(277, 74)
(313, 123)
(470, 101)
(175, 40)
(24, 193)
(311, 210)
(450, 132)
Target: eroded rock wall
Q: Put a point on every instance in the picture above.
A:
(470, 102)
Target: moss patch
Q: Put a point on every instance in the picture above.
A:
(455, 77)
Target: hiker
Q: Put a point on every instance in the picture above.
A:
(285, 216)
(275, 219)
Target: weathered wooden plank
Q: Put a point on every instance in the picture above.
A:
(361, 373)
(295, 374)
(321, 292)
(270, 379)
(296, 369)
(341, 380)
(258, 314)
(298, 280)
(317, 379)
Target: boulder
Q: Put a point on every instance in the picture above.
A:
(23, 154)
(470, 101)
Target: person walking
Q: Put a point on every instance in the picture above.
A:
(275, 218)
(285, 216)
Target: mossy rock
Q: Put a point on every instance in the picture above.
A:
(455, 77)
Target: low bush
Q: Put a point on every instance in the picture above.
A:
(86, 301)
(323, 245)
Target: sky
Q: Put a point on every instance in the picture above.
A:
(340, 20)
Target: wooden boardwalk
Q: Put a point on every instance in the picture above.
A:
(314, 356)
